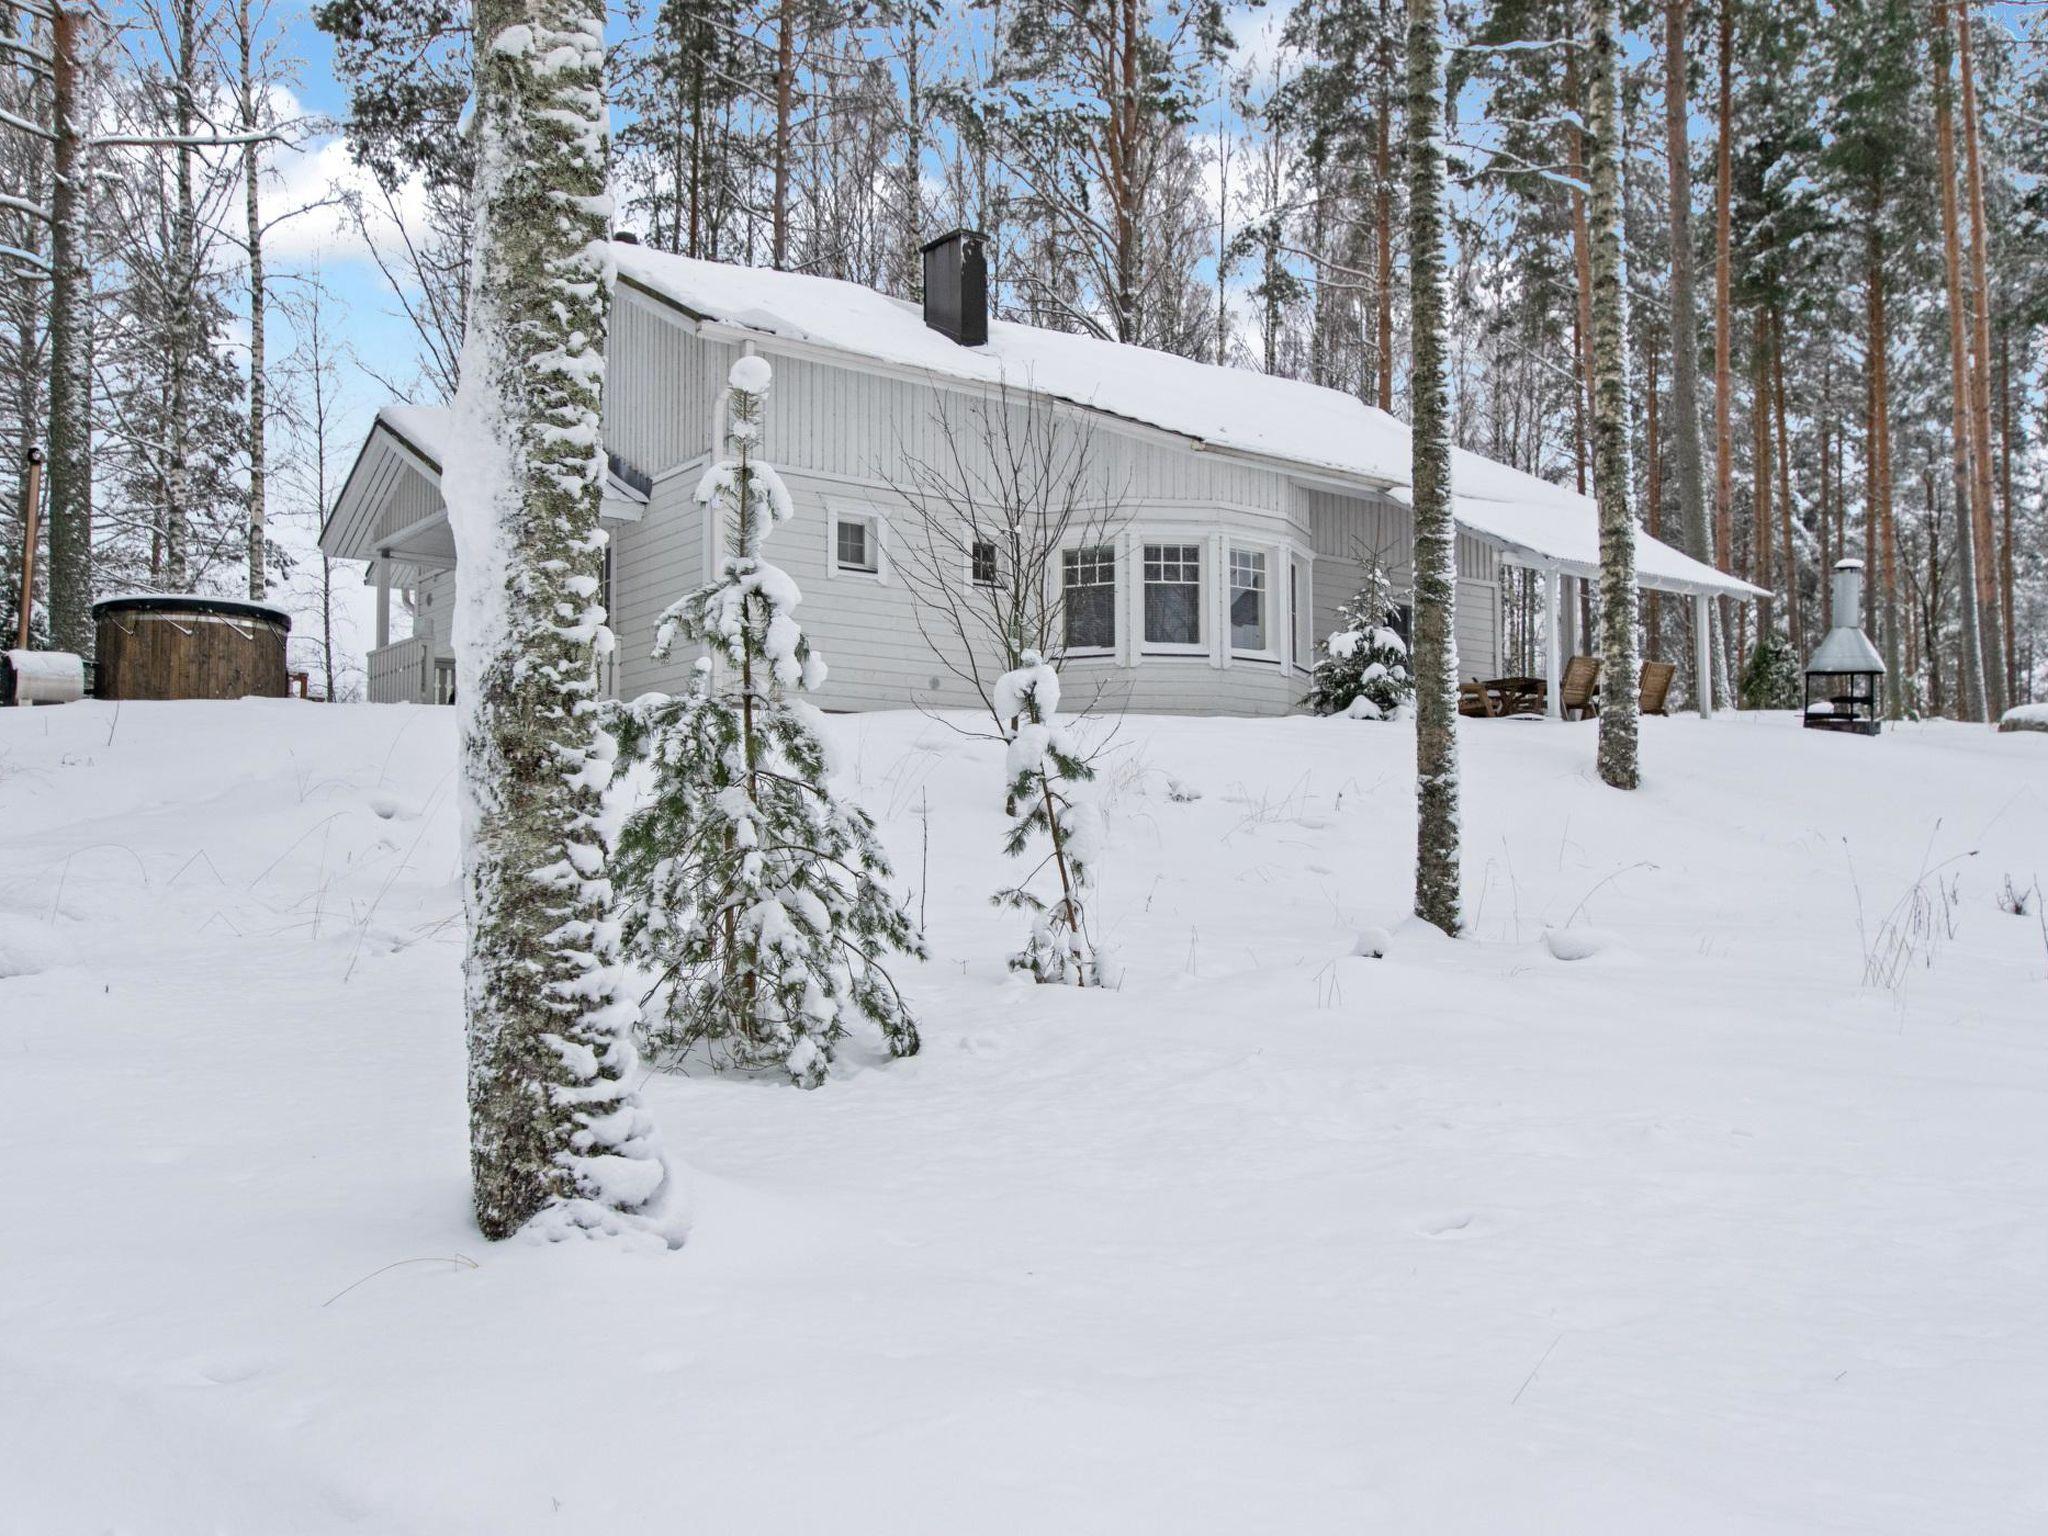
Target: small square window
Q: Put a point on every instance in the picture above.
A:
(1088, 592)
(1247, 600)
(855, 546)
(983, 561)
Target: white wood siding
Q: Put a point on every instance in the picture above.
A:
(1347, 529)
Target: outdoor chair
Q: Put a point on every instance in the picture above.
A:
(1656, 687)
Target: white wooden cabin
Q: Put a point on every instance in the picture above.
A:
(1257, 492)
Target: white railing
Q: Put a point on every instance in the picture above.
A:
(398, 672)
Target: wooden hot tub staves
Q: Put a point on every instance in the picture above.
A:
(186, 647)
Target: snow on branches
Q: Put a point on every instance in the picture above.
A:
(755, 895)
(1040, 766)
(1363, 671)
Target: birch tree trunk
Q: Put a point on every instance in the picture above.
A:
(556, 1131)
(1620, 656)
(1683, 431)
(1436, 588)
(1974, 697)
(70, 466)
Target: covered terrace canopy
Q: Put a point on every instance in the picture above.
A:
(1554, 530)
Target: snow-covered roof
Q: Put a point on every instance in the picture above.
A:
(425, 430)
(1322, 432)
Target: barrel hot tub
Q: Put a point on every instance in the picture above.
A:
(174, 646)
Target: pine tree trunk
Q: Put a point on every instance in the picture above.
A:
(1880, 614)
(1437, 898)
(69, 582)
(1683, 432)
(1724, 337)
(259, 294)
(1653, 496)
(2005, 598)
(1985, 550)
(1620, 658)
(1794, 618)
(1582, 264)
(1970, 642)
(1763, 565)
(554, 1124)
(785, 88)
(182, 334)
(1383, 167)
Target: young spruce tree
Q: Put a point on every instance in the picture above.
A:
(1363, 671)
(556, 1130)
(755, 893)
(1042, 764)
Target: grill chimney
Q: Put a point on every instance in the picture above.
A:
(956, 286)
(1844, 675)
(1848, 579)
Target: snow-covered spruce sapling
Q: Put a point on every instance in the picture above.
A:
(1040, 765)
(1363, 671)
(756, 895)
(1770, 678)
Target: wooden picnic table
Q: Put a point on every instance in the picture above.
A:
(1516, 695)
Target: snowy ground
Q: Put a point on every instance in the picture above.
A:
(1700, 1233)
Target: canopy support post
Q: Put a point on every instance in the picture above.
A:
(1553, 619)
(383, 603)
(1702, 653)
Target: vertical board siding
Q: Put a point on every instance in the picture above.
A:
(1346, 527)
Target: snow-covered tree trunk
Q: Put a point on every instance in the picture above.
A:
(1436, 575)
(555, 1128)
(1620, 658)
(70, 575)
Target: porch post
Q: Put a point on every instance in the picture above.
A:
(1702, 649)
(1553, 618)
(383, 602)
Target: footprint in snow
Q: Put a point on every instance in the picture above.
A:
(1453, 1226)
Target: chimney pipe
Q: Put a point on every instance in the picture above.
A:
(956, 286)
(1848, 594)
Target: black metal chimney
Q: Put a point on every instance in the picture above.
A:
(956, 286)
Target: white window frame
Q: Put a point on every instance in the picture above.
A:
(969, 537)
(1301, 628)
(837, 511)
(1146, 538)
(1272, 555)
(1119, 624)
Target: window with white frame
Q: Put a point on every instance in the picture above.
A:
(1173, 594)
(856, 543)
(982, 568)
(1250, 620)
(1298, 613)
(1088, 597)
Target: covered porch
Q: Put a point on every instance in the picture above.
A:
(1559, 543)
(390, 516)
